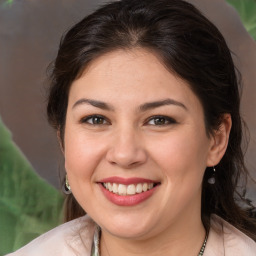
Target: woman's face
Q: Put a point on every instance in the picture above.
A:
(135, 128)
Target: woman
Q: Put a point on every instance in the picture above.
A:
(145, 101)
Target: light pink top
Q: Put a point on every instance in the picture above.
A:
(75, 239)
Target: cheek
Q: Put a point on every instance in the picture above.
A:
(182, 156)
(82, 158)
(82, 155)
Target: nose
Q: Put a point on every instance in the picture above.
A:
(126, 150)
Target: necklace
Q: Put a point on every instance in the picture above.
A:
(96, 240)
(95, 244)
(201, 253)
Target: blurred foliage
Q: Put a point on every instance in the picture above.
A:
(247, 12)
(29, 206)
(7, 3)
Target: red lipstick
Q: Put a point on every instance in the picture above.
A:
(127, 200)
(130, 200)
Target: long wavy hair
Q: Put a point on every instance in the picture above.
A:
(190, 46)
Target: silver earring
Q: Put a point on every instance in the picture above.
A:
(66, 187)
(211, 180)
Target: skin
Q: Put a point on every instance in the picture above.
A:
(129, 142)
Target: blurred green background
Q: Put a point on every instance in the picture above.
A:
(247, 13)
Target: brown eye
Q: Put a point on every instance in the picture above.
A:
(161, 120)
(95, 120)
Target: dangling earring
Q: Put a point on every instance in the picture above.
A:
(66, 187)
(211, 180)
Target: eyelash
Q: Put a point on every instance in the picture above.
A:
(164, 120)
(167, 120)
(93, 117)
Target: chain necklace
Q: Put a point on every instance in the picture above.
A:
(201, 253)
(96, 240)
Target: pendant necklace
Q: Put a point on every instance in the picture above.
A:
(96, 240)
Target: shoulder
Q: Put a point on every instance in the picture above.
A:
(72, 238)
(225, 239)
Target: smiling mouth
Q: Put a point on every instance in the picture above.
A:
(128, 190)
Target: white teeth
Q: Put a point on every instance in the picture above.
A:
(109, 186)
(131, 189)
(115, 188)
(139, 188)
(122, 190)
(145, 187)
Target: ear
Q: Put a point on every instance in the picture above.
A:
(219, 141)
(60, 141)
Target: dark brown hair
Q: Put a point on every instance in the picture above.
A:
(190, 46)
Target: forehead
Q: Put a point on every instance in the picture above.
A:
(130, 76)
(137, 64)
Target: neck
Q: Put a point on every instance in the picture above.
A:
(181, 238)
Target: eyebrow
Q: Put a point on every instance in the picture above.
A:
(156, 104)
(143, 107)
(95, 103)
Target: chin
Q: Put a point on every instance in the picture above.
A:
(128, 233)
(128, 228)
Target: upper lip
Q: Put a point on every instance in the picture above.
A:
(126, 181)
